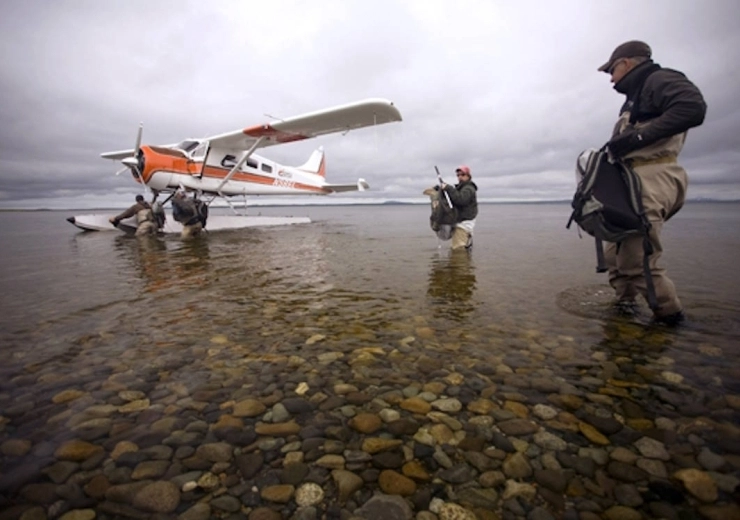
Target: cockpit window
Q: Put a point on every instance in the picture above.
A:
(188, 145)
(200, 150)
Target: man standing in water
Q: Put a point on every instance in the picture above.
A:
(661, 105)
(144, 217)
(464, 198)
(185, 212)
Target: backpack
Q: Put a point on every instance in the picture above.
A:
(202, 210)
(444, 214)
(608, 206)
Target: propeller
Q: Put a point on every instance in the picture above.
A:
(135, 162)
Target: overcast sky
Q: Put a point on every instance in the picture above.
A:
(508, 87)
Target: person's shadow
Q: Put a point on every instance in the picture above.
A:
(452, 284)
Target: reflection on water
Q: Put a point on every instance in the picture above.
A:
(452, 284)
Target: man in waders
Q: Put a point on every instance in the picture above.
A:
(185, 211)
(464, 198)
(660, 106)
(144, 217)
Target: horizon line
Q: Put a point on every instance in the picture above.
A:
(359, 202)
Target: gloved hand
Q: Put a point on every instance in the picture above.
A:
(624, 143)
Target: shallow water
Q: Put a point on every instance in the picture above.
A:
(77, 307)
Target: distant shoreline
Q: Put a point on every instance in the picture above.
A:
(384, 203)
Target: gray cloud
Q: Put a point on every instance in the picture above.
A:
(510, 89)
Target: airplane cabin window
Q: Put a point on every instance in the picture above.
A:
(228, 161)
(266, 168)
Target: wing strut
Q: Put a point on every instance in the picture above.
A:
(238, 165)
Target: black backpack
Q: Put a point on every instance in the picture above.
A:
(608, 206)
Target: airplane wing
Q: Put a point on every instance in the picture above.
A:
(341, 118)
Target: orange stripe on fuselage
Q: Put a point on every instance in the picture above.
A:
(159, 159)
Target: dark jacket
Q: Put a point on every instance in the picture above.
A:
(463, 196)
(662, 102)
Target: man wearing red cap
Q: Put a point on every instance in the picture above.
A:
(464, 198)
(661, 105)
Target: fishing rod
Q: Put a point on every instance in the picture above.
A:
(439, 179)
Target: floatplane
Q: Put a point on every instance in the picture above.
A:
(226, 165)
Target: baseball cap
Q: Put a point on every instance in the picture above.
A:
(464, 169)
(628, 49)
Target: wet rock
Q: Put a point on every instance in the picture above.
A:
(720, 512)
(518, 427)
(150, 469)
(15, 447)
(385, 507)
(199, 511)
(592, 434)
(281, 493)
(158, 497)
(347, 483)
(415, 405)
(264, 513)
(226, 503)
(652, 449)
(215, 452)
(517, 466)
(487, 499)
(698, 483)
(550, 442)
(622, 513)
(457, 474)
(277, 430)
(248, 408)
(502, 442)
(606, 425)
(625, 472)
(366, 423)
(710, 460)
(628, 495)
(653, 467)
(76, 450)
(309, 494)
(551, 479)
(394, 483)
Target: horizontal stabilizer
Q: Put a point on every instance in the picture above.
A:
(361, 185)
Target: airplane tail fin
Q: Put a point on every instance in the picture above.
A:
(316, 163)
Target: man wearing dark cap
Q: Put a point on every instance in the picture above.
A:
(660, 107)
(144, 217)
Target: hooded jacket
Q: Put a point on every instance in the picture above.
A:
(464, 197)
